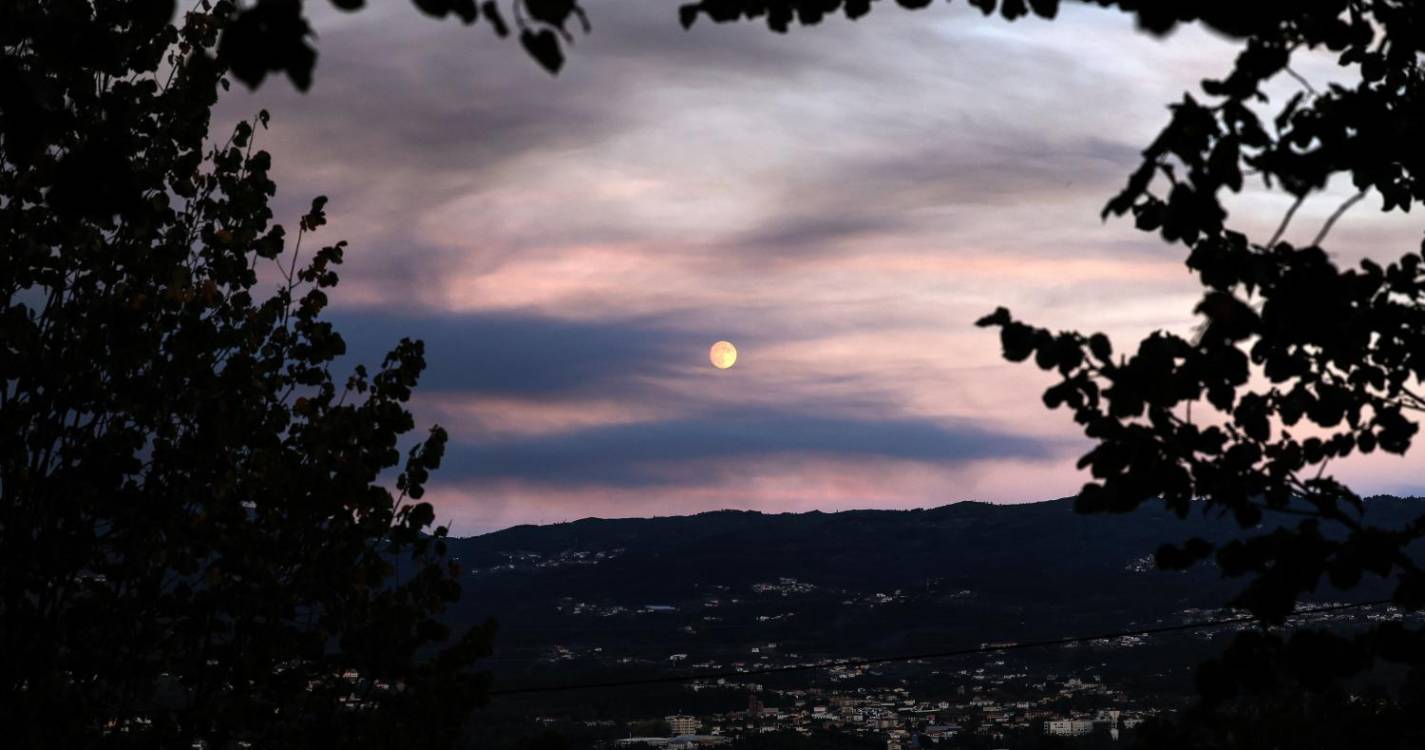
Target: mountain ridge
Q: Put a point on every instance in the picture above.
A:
(875, 579)
(755, 512)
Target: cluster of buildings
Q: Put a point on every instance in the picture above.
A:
(902, 720)
(684, 736)
(714, 597)
(1057, 692)
(534, 560)
(784, 586)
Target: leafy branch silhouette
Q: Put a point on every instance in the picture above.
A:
(199, 542)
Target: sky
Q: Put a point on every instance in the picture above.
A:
(841, 202)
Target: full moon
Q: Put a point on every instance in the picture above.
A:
(722, 354)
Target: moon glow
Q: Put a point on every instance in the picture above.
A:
(722, 355)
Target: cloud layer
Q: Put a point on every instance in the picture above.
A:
(842, 202)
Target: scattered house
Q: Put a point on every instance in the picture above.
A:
(682, 724)
(1068, 727)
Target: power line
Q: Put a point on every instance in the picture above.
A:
(857, 662)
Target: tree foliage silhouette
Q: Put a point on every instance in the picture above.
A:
(1298, 362)
(273, 36)
(197, 541)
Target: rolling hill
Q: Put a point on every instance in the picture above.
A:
(852, 582)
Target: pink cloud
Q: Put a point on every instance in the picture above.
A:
(843, 203)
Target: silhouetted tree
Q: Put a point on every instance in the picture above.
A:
(197, 540)
(273, 36)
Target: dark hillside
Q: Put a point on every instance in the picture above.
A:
(967, 572)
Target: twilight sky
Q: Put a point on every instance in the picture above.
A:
(841, 202)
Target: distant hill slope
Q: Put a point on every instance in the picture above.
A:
(971, 569)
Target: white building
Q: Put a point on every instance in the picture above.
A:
(682, 724)
(1068, 727)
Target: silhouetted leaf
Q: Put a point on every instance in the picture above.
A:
(687, 15)
(492, 13)
(543, 45)
(552, 12)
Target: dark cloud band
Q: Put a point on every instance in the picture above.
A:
(509, 354)
(638, 454)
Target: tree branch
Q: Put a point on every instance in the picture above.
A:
(1286, 221)
(1301, 80)
(1331, 222)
